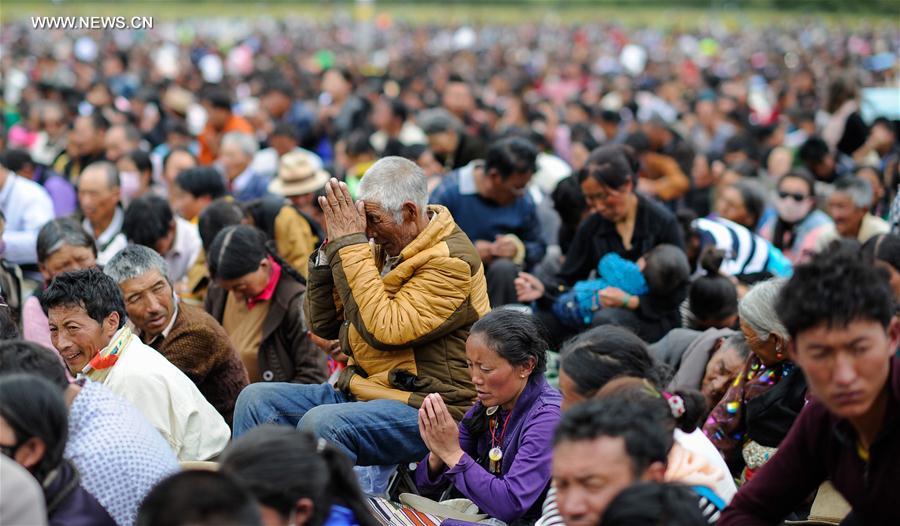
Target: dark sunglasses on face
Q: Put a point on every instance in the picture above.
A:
(795, 197)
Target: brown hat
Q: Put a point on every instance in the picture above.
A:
(297, 175)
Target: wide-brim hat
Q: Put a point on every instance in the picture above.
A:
(297, 175)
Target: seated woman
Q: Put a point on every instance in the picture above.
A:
(62, 246)
(759, 407)
(33, 433)
(267, 461)
(711, 363)
(258, 299)
(499, 455)
(798, 224)
(623, 221)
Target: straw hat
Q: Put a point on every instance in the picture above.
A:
(297, 176)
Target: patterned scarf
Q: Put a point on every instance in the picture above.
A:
(101, 364)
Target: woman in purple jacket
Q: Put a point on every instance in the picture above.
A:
(499, 455)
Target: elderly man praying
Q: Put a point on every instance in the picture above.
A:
(401, 308)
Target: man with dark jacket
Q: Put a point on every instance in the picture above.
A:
(839, 313)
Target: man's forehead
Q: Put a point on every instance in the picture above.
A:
(62, 313)
(373, 207)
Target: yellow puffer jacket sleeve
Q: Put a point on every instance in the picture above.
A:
(422, 299)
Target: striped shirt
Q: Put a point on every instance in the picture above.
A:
(745, 252)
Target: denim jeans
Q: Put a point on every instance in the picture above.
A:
(374, 433)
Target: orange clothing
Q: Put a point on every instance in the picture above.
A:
(210, 135)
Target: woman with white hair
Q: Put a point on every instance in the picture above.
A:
(749, 422)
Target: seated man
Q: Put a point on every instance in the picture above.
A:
(404, 324)
(119, 455)
(186, 335)
(840, 316)
(98, 198)
(149, 222)
(490, 203)
(848, 206)
(87, 327)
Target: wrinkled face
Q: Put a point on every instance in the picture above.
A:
(185, 204)
(66, 259)
(731, 206)
(383, 228)
(766, 350)
(77, 336)
(847, 217)
(513, 187)
(149, 302)
(497, 382)
(721, 369)
(847, 367)
(588, 475)
(610, 203)
(176, 163)
(234, 160)
(249, 285)
(571, 395)
(97, 199)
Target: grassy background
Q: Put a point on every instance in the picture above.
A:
(673, 13)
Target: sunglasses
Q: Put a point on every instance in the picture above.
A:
(795, 197)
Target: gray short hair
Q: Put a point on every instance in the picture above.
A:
(134, 261)
(858, 189)
(757, 309)
(246, 142)
(392, 181)
(112, 173)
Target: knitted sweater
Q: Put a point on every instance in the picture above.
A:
(199, 346)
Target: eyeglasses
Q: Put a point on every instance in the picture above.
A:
(795, 197)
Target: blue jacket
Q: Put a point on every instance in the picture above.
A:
(483, 219)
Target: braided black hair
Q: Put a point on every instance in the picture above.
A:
(237, 251)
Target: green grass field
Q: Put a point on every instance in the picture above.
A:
(628, 12)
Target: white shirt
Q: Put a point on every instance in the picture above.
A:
(697, 443)
(27, 207)
(111, 240)
(169, 400)
(185, 249)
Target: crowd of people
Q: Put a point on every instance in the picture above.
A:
(278, 272)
